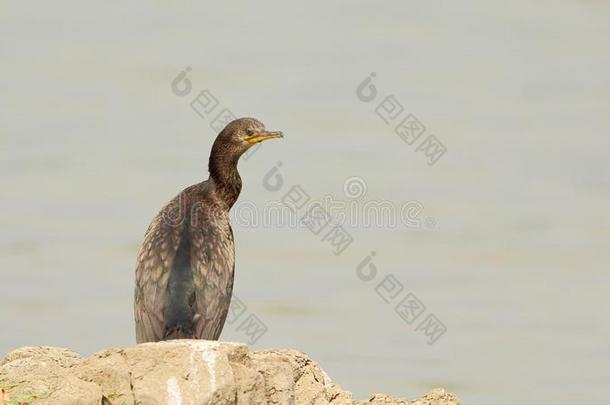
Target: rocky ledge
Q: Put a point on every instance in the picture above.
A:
(177, 372)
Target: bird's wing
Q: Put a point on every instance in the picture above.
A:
(155, 260)
(213, 263)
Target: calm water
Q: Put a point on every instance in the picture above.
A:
(512, 255)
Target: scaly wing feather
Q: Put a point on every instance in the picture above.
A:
(155, 260)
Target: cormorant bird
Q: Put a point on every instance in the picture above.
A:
(184, 272)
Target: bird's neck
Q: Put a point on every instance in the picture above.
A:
(226, 179)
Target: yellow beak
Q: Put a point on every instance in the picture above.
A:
(263, 136)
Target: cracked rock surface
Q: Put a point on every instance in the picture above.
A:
(177, 372)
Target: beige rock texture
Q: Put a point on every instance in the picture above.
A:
(177, 372)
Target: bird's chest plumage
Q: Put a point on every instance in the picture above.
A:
(212, 263)
(212, 250)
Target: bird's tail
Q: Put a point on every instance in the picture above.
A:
(179, 332)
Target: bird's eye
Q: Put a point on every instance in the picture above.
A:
(249, 132)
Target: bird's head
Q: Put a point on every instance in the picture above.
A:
(241, 134)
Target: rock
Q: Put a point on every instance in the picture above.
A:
(437, 396)
(177, 372)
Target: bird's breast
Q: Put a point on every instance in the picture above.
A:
(213, 252)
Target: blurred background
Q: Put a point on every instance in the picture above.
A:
(509, 250)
